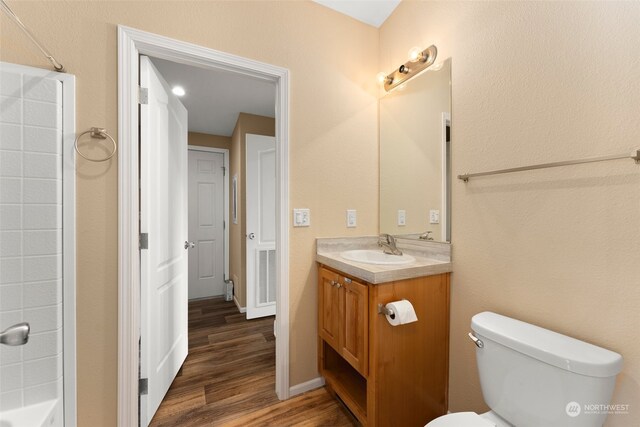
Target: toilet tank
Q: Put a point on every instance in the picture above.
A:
(534, 377)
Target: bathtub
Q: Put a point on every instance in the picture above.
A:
(46, 414)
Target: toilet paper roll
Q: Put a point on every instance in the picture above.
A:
(401, 313)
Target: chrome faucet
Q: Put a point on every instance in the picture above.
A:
(426, 235)
(17, 334)
(388, 243)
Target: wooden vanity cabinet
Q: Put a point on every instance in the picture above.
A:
(354, 346)
(329, 310)
(342, 317)
(386, 375)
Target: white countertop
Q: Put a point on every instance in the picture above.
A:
(431, 258)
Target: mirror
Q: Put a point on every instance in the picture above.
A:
(415, 157)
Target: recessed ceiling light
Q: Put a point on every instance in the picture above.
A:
(178, 91)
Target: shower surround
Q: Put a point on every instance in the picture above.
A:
(32, 245)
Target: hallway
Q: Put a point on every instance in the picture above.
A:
(228, 378)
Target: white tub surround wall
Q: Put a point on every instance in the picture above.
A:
(430, 258)
(31, 265)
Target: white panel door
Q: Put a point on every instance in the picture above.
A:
(206, 224)
(261, 226)
(164, 266)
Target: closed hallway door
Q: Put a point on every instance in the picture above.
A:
(206, 223)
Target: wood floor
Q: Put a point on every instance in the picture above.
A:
(228, 378)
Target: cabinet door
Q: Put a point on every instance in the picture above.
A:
(355, 327)
(329, 313)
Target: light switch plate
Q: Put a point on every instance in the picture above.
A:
(434, 216)
(402, 217)
(301, 217)
(351, 218)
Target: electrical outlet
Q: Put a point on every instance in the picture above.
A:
(351, 218)
(402, 217)
(434, 216)
(301, 217)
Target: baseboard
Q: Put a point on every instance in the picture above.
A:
(306, 386)
(241, 309)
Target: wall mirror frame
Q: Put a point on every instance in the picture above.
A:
(415, 157)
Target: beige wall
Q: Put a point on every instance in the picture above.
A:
(334, 161)
(258, 125)
(538, 82)
(411, 152)
(211, 141)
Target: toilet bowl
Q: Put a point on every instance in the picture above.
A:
(531, 377)
(469, 419)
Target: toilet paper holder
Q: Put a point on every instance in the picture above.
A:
(382, 309)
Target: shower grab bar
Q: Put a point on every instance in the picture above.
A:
(634, 156)
(56, 65)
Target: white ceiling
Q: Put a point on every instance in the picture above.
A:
(214, 99)
(372, 12)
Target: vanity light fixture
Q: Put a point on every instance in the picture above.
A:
(382, 78)
(419, 60)
(178, 91)
(416, 54)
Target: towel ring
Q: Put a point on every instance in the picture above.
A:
(96, 133)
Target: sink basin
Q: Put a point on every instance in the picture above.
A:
(369, 256)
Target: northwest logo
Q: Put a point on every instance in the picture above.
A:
(573, 409)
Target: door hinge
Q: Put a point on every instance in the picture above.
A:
(224, 171)
(144, 240)
(143, 95)
(143, 386)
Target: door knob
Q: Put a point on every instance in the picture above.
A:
(188, 245)
(251, 236)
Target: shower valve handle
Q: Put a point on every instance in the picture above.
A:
(17, 334)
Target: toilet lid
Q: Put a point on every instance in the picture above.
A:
(461, 419)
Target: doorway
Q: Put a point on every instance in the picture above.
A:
(182, 192)
(133, 43)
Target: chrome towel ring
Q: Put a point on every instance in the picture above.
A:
(100, 133)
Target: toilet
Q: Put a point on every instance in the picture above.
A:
(533, 377)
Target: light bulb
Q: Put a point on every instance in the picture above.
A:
(381, 77)
(178, 91)
(415, 54)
